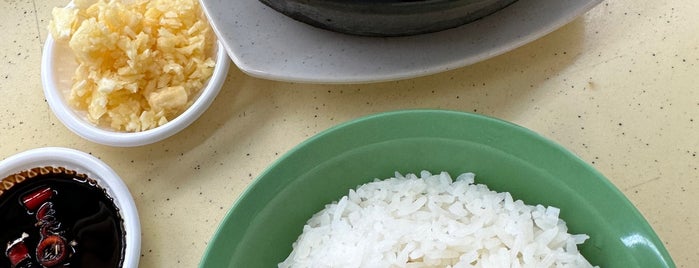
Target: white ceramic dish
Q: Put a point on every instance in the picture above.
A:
(57, 68)
(95, 169)
(266, 44)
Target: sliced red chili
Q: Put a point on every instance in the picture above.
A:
(51, 251)
(45, 210)
(17, 251)
(35, 199)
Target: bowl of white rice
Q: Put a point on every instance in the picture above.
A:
(433, 188)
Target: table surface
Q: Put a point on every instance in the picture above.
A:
(617, 86)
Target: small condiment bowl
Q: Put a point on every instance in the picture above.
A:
(57, 68)
(104, 176)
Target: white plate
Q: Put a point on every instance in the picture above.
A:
(266, 44)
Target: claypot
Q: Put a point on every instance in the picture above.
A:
(386, 17)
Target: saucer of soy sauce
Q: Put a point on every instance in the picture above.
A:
(61, 207)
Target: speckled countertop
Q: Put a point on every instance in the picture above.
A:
(619, 87)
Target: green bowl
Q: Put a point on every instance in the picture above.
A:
(261, 227)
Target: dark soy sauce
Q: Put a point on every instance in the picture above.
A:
(85, 217)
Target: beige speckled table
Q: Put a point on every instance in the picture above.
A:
(618, 86)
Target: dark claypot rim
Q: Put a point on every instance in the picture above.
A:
(386, 18)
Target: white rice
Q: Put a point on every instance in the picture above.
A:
(433, 221)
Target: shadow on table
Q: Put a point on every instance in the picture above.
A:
(503, 87)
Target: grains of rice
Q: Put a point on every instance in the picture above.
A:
(434, 221)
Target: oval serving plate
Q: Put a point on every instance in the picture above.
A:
(267, 44)
(262, 225)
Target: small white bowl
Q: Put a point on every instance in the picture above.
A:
(95, 169)
(57, 68)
